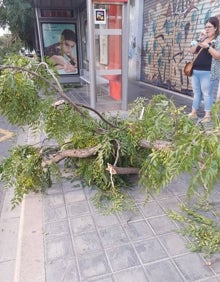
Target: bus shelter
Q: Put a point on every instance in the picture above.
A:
(88, 42)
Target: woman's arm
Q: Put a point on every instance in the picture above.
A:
(214, 50)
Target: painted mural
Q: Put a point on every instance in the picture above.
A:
(168, 28)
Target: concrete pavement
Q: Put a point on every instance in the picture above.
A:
(61, 236)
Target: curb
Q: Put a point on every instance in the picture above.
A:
(30, 250)
(29, 265)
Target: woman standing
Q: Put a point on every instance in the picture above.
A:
(206, 69)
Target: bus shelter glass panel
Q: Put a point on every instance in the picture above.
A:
(108, 49)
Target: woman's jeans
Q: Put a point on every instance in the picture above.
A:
(203, 88)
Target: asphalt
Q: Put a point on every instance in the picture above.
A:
(61, 236)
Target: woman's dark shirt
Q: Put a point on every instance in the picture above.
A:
(203, 61)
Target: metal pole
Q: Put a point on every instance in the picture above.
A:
(125, 47)
(38, 31)
(92, 71)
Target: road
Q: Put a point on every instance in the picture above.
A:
(7, 140)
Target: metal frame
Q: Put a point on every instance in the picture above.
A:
(125, 42)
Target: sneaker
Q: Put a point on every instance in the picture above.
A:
(205, 119)
(192, 116)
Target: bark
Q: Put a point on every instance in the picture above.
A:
(157, 145)
(113, 169)
(122, 170)
(74, 153)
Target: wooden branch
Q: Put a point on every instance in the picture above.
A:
(122, 170)
(74, 153)
(85, 153)
(158, 144)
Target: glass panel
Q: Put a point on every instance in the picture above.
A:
(108, 48)
(60, 45)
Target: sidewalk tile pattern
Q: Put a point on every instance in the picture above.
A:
(82, 244)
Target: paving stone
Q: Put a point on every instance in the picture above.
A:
(129, 216)
(163, 271)
(122, 257)
(101, 279)
(189, 265)
(138, 194)
(54, 200)
(179, 186)
(58, 247)
(105, 220)
(215, 262)
(93, 264)
(215, 197)
(113, 236)
(62, 270)
(87, 242)
(82, 224)
(138, 230)
(8, 233)
(131, 275)
(72, 185)
(78, 209)
(151, 209)
(7, 270)
(170, 204)
(57, 228)
(54, 189)
(77, 183)
(54, 213)
(164, 194)
(150, 250)
(74, 196)
(174, 243)
(162, 224)
(7, 211)
(212, 279)
(90, 192)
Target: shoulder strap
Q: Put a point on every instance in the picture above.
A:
(196, 55)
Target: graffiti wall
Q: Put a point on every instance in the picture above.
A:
(168, 28)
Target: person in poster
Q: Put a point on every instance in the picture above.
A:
(62, 52)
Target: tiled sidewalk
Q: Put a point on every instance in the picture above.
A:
(81, 244)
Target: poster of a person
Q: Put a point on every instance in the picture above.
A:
(60, 46)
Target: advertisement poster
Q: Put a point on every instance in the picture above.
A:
(60, 45)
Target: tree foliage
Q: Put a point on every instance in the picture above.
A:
(18, 15)
(201, 226)
(156, 140)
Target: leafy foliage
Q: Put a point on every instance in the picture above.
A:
(202, 230)
(22, 171)
(18, 15)
(28, 90)
(20, 100)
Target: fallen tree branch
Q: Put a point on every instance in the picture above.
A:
(73, 153)
(57, 87)
(122, 170)
(158, 144)
(85, 153)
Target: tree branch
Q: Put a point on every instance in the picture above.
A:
(158, 144)
(74, 153)
(57, 87)
(122, 170)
